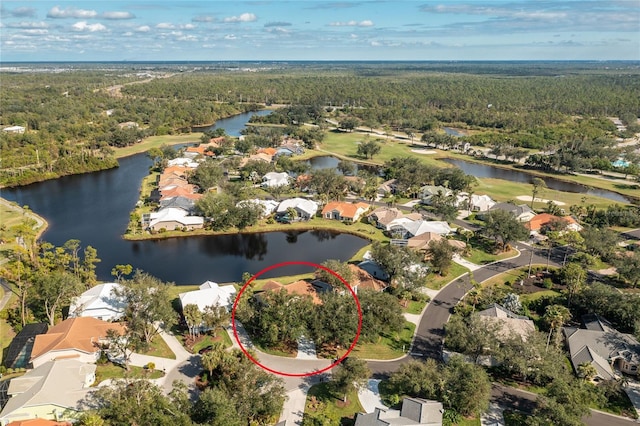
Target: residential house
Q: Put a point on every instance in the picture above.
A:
(183, 162)
(414, 411)
(171, 219)
(383, 217)
(267, 206)
(268, 151)
(128, 125)
(522, 212)
(274, 179)
(209, 294)
(507, 322)
(298, 288)
(599, 344)
(306, 209)
(405, 228)
(19, 350)
(205, 149)
(39, 422)
(373, 269)
(477, 203)
(346, 212)
(179, 202)
(427, 192)
(179, 171)
(53, 390)
(364, 280)
(14, 129)
(77, 338)
(543, 220)
(99, 302)
(387, 187)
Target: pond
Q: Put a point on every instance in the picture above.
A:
(94, 208)
(488, 171)
(329, 162)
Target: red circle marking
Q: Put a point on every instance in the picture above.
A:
(279, 265)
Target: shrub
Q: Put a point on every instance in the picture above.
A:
(547, 283)
(10, 370)
(150, 366)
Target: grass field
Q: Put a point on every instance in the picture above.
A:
(113, 371)
(388, 347)
(481, 257)
(436, 282)
(159, 347)
(322, 402)
(156, 142)
(221, 337)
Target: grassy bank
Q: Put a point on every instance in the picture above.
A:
(323, 403)
(156, 142)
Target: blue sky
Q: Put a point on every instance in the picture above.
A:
(139, 30)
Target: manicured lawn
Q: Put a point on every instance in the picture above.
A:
(414, 307)
(503, 190)
(324, 404)
(360, 229)
(388, 347)
(158, 347)
(436, 282)
(113, 371)
(530, 297)
(156, 142)
(481, 257)
(207, 339)
(276, 352)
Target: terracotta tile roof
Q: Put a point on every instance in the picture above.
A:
(363, 280)
(540, 220)
(345, 209)
(268, 151)
(38, 422)
(422, 241)
(301, 288)
(178, 170)
(181, 191)
(73, 333)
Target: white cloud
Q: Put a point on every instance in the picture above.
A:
(165, 26)
(118, 15)
(143, 29)
(83, 26)
(188, 26)
(245, 17)
(27, 25)
(23, 12)
(365, 23)
(277, 30)
(204, 18)
(71, 12)
(36, 32)
(230, 37)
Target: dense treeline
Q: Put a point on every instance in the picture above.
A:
(414, 98)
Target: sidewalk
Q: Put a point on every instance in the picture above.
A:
(460, 261)
(493, 416)
(370, 396)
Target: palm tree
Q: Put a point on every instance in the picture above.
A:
(555, 316)
(538, 185)
(212, 359)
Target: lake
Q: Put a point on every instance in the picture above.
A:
(488, 171)
(94, 208)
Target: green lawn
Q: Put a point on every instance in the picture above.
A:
(530, 297)
(414, 307)
(436, 282)
(113, 371)
(322, 403)
(156, 142)
(6, 331)
(388, 347)
(12, 216)
(159, 347)
(221, 337)
(481, 257)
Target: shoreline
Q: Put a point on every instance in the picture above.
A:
(41, 223)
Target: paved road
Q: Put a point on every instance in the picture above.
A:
(633, 234)
(430, 331)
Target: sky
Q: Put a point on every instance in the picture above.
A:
(184, 30)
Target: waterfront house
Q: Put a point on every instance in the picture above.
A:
(298, 288)
(100, 302)
(373, 269)
(306, 209)
(209, 293)
(363, 280)
(427, 193)
(522, 212)
(267, 207)
(179, 202)
(53, 391)
(404, 228)
(384, 217)
(77, 338)
(346, 212)
(477, 203)
(171, 219)
(19, 351)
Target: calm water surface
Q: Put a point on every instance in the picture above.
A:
(94, 208)
(487, 171)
